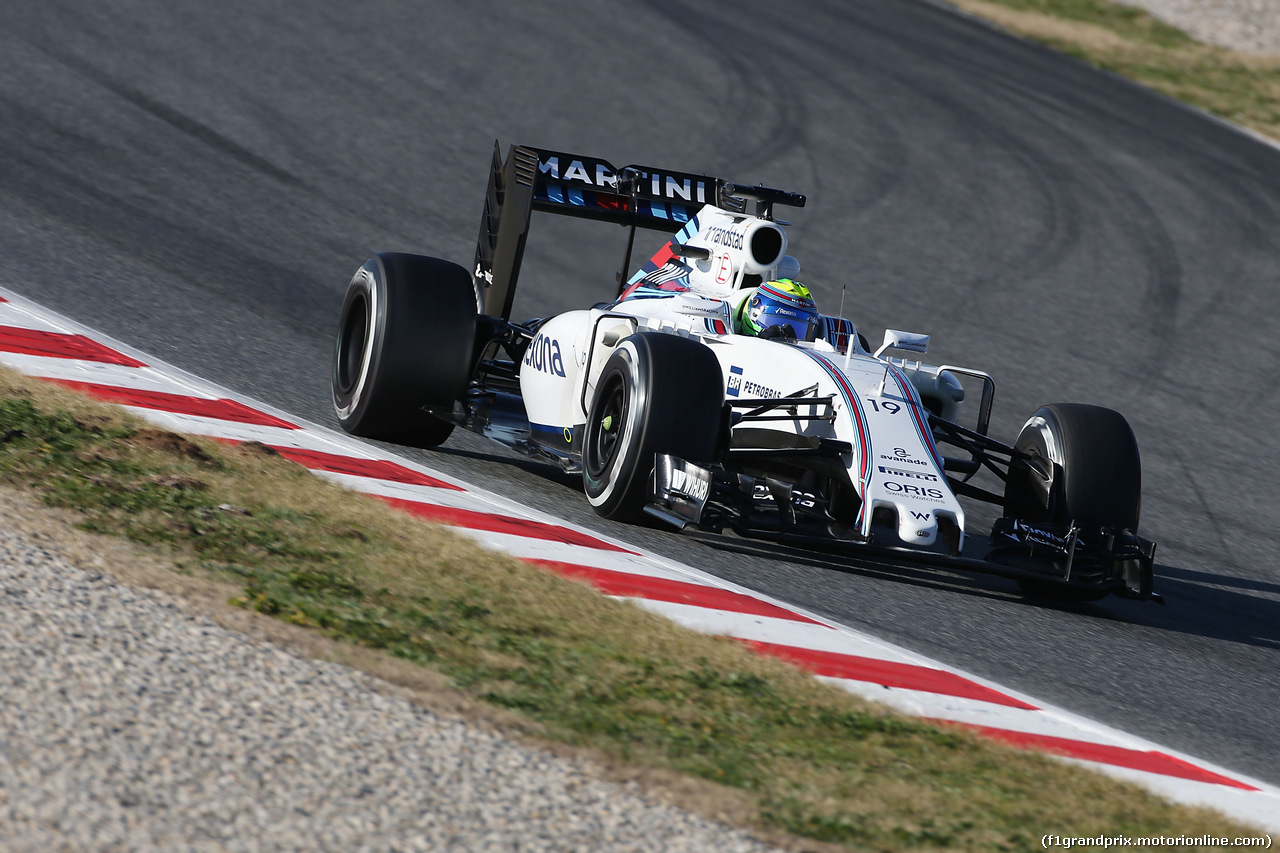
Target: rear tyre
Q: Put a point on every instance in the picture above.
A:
(658, 393)
(1084, 470)
(405, 340)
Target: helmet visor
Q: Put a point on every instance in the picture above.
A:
(777, 325)
(783, 308)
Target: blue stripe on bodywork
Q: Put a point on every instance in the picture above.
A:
(914, 405)
(860, 421)
(684, 235)
(561, 433)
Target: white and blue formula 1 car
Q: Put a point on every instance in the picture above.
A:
(710, 393)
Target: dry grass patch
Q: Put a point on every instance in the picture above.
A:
(586, 671)
(1047, 28)
(1240, 87)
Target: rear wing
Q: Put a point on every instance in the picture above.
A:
(587, 187)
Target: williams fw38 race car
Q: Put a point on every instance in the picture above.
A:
(709, 392)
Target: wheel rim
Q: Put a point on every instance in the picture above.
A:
(351, 344)
(605, 431)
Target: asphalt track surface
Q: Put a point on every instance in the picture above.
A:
(200, 181)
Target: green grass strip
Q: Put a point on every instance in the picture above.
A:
(1127, 41)
(589, 671)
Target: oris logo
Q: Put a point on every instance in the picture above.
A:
(926, 492)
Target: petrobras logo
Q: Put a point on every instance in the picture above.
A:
(739, 384)
(755, 389)
(734, 387)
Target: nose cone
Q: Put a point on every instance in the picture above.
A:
(916, 526)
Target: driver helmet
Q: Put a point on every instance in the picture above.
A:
(781, 308)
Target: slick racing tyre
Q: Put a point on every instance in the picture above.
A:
(658, 393)
(1084, 470)
(405, 338)
(1090, 457)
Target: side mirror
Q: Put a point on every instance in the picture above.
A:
(910, 341)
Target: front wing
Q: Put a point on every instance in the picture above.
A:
(1075, 564)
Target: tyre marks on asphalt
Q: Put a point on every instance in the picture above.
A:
(44, 345)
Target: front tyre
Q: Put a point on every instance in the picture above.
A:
(405, 340)
(1084, 468)
(658, 393)
(1081, 467)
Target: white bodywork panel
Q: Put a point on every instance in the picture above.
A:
(894, 462)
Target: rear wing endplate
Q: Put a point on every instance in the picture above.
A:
(587, 187)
